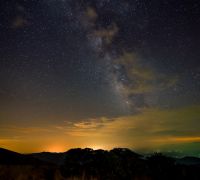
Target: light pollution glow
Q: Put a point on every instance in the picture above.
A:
(147, 130)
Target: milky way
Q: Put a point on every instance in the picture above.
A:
(65, 61)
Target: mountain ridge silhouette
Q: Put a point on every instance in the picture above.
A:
(89, 164)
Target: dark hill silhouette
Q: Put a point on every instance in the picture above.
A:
(55, 158)
(8, 157)
(89, 164)
(188, 160)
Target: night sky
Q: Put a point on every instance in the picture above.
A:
(100, 74)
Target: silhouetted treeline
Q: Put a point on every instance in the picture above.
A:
(88, 164)
(121, 163)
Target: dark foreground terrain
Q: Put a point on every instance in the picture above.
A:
(88, 164)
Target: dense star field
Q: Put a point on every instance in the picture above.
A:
(100, 74)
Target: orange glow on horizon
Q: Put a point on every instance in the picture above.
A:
(56, 148)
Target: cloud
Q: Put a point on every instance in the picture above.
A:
(19, 22)
(150, 129)
(141, 78)
(87, 127)
(91, 14)
(137, 81)
(154, 127)
(99, 37)
(106, 34)
(150, 123)
(102, 37)
(88, 18)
